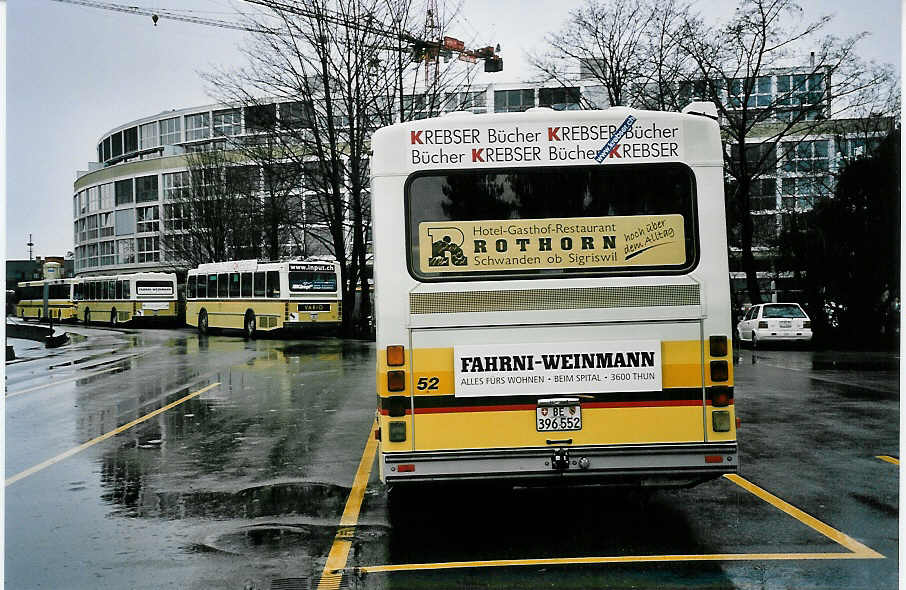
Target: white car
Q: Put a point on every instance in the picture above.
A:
(774, 322)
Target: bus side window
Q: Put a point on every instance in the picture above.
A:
(259, 284)
(190, 287)
(246, 284)
(222, 286)
(273, 283)
(212, 286)
(234, 284)
(119, 289)
(91, 290)
(111, 289)
(126, 289)
(102, 290)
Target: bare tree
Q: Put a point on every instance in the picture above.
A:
(630, 48)
(320, 78)
(732, 66)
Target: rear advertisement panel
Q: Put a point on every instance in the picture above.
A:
(528, 244)
(557, 368)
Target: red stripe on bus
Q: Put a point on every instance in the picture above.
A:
(525, 407)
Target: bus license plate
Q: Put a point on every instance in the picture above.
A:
(554, 418)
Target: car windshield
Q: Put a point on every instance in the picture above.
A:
(782, 311)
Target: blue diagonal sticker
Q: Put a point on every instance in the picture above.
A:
(614, 139)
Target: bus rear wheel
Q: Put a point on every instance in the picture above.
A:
(250, 325)
(203, 322)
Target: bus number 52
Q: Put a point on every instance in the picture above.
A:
(427, 383)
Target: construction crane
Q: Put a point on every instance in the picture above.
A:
(419, 48)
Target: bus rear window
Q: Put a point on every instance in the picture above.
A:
(306, 281)
(571, 221)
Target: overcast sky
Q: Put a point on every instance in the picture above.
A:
(75, 72)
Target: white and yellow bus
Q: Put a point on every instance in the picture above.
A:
(257, 296)
(60, 299)
(553, 298)
(117, 299)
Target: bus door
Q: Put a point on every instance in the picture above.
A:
(519, 370)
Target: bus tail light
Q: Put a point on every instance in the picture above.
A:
(720, 371)
(396, 380)
(718, 345)
(720, 396)
(396, 355)
(397, 432)
(720, 421)
(396, 405)
(406, 468)
(714, 458)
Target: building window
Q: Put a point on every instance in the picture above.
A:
(559, 99)
(800, 193)
(130, 140)
(75, 232)
(106, 144)
(146, 189)
(805, 156)
(75, 205)
(763, 194)
(125, 251)
(175, 245)
(295, 115)
(91, 252)
(260, 117)
(117, 145)
(176, 216)
(83, 202)
(92, 227)
(105, 221)
(124, 222)
(94, 199)
(227, 123)
(150, 136)
(108, 253)
(175, 185)
(169, 131)
(83, 229)
(148, 249)
(508, 101)
(146, 219)
(197, 126)
(106, 191)
(123, 191)
(463, 101)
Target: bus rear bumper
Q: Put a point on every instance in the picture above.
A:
(655, 465)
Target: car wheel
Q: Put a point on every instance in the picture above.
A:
(250, 324)
(203, 322)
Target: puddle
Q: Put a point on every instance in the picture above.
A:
(272, 538)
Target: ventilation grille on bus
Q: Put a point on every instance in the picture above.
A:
(544, 299)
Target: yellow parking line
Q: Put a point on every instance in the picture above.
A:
(857, 549)
(332, 574)
(807, 519)
(94, 441)
(888, 458)
(369, 569)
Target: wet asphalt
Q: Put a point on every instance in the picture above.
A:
(243, 485)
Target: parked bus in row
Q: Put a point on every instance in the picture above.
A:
(255, 296)
(117, 299)
(552, 300)
(60, 299)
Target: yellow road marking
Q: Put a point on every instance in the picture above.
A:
(857, 549)
(61, 381)
(810, 521)
(600, 560)
(339, 551)
(888, 458)
(103, 437)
